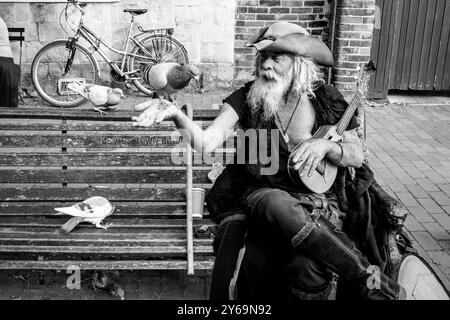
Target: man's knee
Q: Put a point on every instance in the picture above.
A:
(275, 207)
(269, 199)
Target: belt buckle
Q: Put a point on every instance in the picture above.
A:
(320, 202)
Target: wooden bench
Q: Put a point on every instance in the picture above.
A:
(56, 157)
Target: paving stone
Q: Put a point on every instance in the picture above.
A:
(420, 214)
(445, 244)
(443, 219)
(406, 180)
(412, 224)
(445, 187)
(446, 209)
(436, 231)
(427, 185)
(417, 191)
(407, 199)
(395, 185)
(436, 178)
(430, 205)
(441, 198)
(441, 258)
(426, 240)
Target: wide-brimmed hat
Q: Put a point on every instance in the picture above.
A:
(291, 38)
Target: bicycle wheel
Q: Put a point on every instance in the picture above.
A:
(55, 66)
(160, 48)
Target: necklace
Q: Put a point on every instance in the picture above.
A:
(284, 131)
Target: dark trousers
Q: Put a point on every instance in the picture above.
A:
(275, 213)
(9, 82)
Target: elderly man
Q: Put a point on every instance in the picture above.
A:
(288, 94)
(9, 72)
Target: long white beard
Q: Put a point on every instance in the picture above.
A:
(268, 92)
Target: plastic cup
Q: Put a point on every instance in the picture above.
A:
(198, 200)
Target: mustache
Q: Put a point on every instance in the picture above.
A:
(269, 75)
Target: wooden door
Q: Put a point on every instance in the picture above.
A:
(411, 48)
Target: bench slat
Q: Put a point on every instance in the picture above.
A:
(104, 159)
(90, 235)
(206, 264)
(53, 253)
(87, 126)
(99, 140)
(122, 209)
(79, 194)
(199, 247)
(86, 114)
(130, 223)
(101, 176)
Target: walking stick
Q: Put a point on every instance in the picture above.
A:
(189, 224)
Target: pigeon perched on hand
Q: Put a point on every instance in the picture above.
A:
(166, 79)
(92, 210)
(169, 77)
(108, 280)
(99, 96)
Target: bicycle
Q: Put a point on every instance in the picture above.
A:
(63, 61)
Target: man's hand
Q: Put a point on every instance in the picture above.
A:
(310, 153)
(154, 112)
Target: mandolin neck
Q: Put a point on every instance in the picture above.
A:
(345, 120)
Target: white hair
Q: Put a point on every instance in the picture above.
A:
(307, 76)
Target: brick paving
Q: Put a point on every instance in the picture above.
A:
(410, 155)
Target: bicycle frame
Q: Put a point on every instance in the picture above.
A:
(96, 42)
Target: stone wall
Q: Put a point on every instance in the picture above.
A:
(204, 27)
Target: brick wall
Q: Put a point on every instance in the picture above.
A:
(353, 41)
(352, 36)
(254, 14)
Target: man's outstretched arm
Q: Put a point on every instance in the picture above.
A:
(203, 141)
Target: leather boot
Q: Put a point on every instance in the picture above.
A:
(320, 238)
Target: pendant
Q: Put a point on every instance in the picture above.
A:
(286, 137)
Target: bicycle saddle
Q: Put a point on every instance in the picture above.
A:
(135, 11)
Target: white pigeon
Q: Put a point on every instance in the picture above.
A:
(99, 96)
(92, 210)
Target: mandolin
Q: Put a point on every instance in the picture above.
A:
(323, 177)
